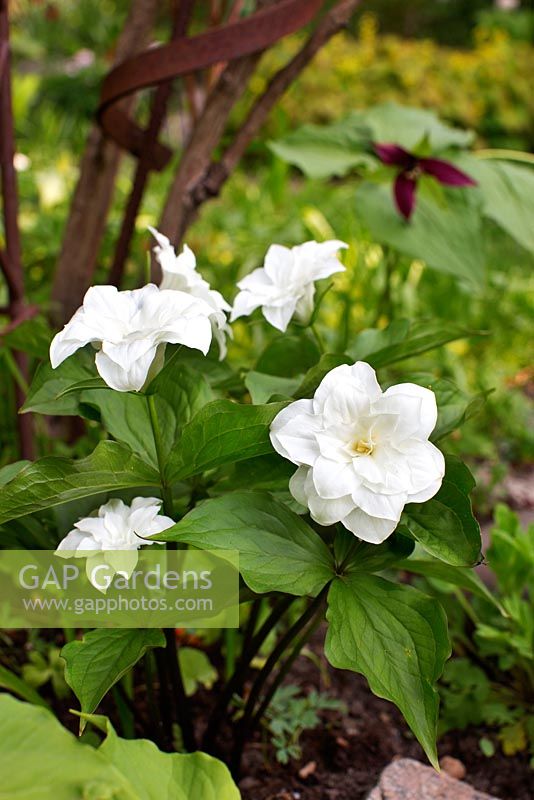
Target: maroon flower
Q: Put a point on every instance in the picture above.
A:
(411, 167)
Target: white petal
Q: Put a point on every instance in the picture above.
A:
(244, 304)
(292, 433)
(317, 260)
(304, 307)
(131, 379)
(333, 480)
(416, 407)
(280, 316)
(77, 541)
(377, 504)
(371, 529)
(328, 512)
(74, 335)
(195, 333)
(348, 391)
(297, 483)
(279, 264)
(427, 469)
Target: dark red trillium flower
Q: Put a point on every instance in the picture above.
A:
(411, 167)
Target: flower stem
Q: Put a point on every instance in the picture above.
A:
(318, 338)
(246, 723)
(166, 493)
(250, 647)
(286, 666)
(174, 672)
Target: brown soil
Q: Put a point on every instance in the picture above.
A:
(351, 750)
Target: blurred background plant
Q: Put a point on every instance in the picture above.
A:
(490, 678)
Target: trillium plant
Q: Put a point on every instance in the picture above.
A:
(327, 471)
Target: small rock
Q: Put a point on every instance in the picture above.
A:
(407, 779)
(307, 770)
(453, 767)
(341, 742)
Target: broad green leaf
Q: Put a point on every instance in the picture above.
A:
(322, 151)
(395, 636)
(222, 432)
(354, 555)
(95, 663)
(374, 341)
(278, 551)
(46, 394)
(508, 195)
(262, 387)
(288, 356)
(464, 577)
(454, 406)
(40, 759)
(315, 375)
(178, 391)
(448, 236)
(270, 473)
(8, 472)
(54, 480)
(400, 340)
(16, 685)
(219, 374)
(81, 386)
(445, 525)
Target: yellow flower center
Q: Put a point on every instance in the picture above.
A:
(362, 448)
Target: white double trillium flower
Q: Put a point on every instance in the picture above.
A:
(113, 535)
(180, 273)
(284, 287)
(362, 454)
(132, 328)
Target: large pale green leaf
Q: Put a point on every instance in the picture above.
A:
(508, 195)
(54, 480)
(222, 432)
(18, 686)
(178, 392)
(39, 760)
(166, 776)
(445, 525)
(402, 340)
(95, 663)
(278, 551)
(395, 636)
(447, 235)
